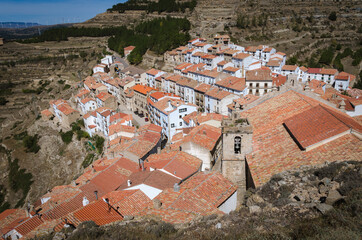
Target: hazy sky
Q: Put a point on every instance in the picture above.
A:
(52, 11)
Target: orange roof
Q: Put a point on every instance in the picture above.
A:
(104, 96)
(66, 109)
(87, 99)
(118, 127)
(142, 89)
(201, 194)
(158, 95)
(222, 63)
(200, 118)
(82, 92)
(258, 75)
(251, 49)
(217, 93)
(129, 48)
(231, 69)
(285, 154)
(273, 63)
(314, 125)
(179, 164)
(128, 202)
(329, 71)
(241, 56)
(99, 212)
(153, 72)
(231, 82)
(121, 116)
(46, 112)
(183, 66)
(289, 67)
(203, 87)
(279, 80)
(204, 135)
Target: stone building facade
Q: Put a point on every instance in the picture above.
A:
(237, 134)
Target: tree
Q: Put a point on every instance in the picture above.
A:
(332, 16)
(358, 83)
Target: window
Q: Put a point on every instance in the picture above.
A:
(180, 116)
(183, 110)
(172, 125)
(237, 145)
(266, 85)
(180, 124)
(257, 85)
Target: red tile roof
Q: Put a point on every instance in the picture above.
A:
(153, 72)
(314, 70)
(314, 125)
(142, 89)
(241, 56)
(128, 202)
(118, 127)
(279, 80)
(204, 135)
(104, 96)
(180, 164)
(217, 93)
(156, 179)
(199, 195)
(289, 67)
(199, 118)
(99, 212)
(262, 74)
(231, 82)
(267, 121)
(183, 66)
(203, 87)
(329, 71)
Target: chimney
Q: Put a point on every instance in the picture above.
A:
(342, 105)
(157, 204)
(85, 201)
(129, 183)
(158, 150)
(96, 193)
(176, 187)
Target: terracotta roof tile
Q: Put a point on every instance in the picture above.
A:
(180, 164)
(267, 121)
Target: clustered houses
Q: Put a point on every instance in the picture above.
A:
(225, 57)
(224, 105)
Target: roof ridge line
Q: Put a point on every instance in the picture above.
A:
(336, 117)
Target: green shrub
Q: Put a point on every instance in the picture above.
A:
(99, 143)
(19, 180)
(67, 136)
(66, 86)
(31, 143)
(332, 16)
(88, 160)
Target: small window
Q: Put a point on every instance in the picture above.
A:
(180, 124)
(172, 125)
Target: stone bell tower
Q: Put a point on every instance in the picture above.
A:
(237, 134)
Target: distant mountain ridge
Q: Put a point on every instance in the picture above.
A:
(18, 24)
